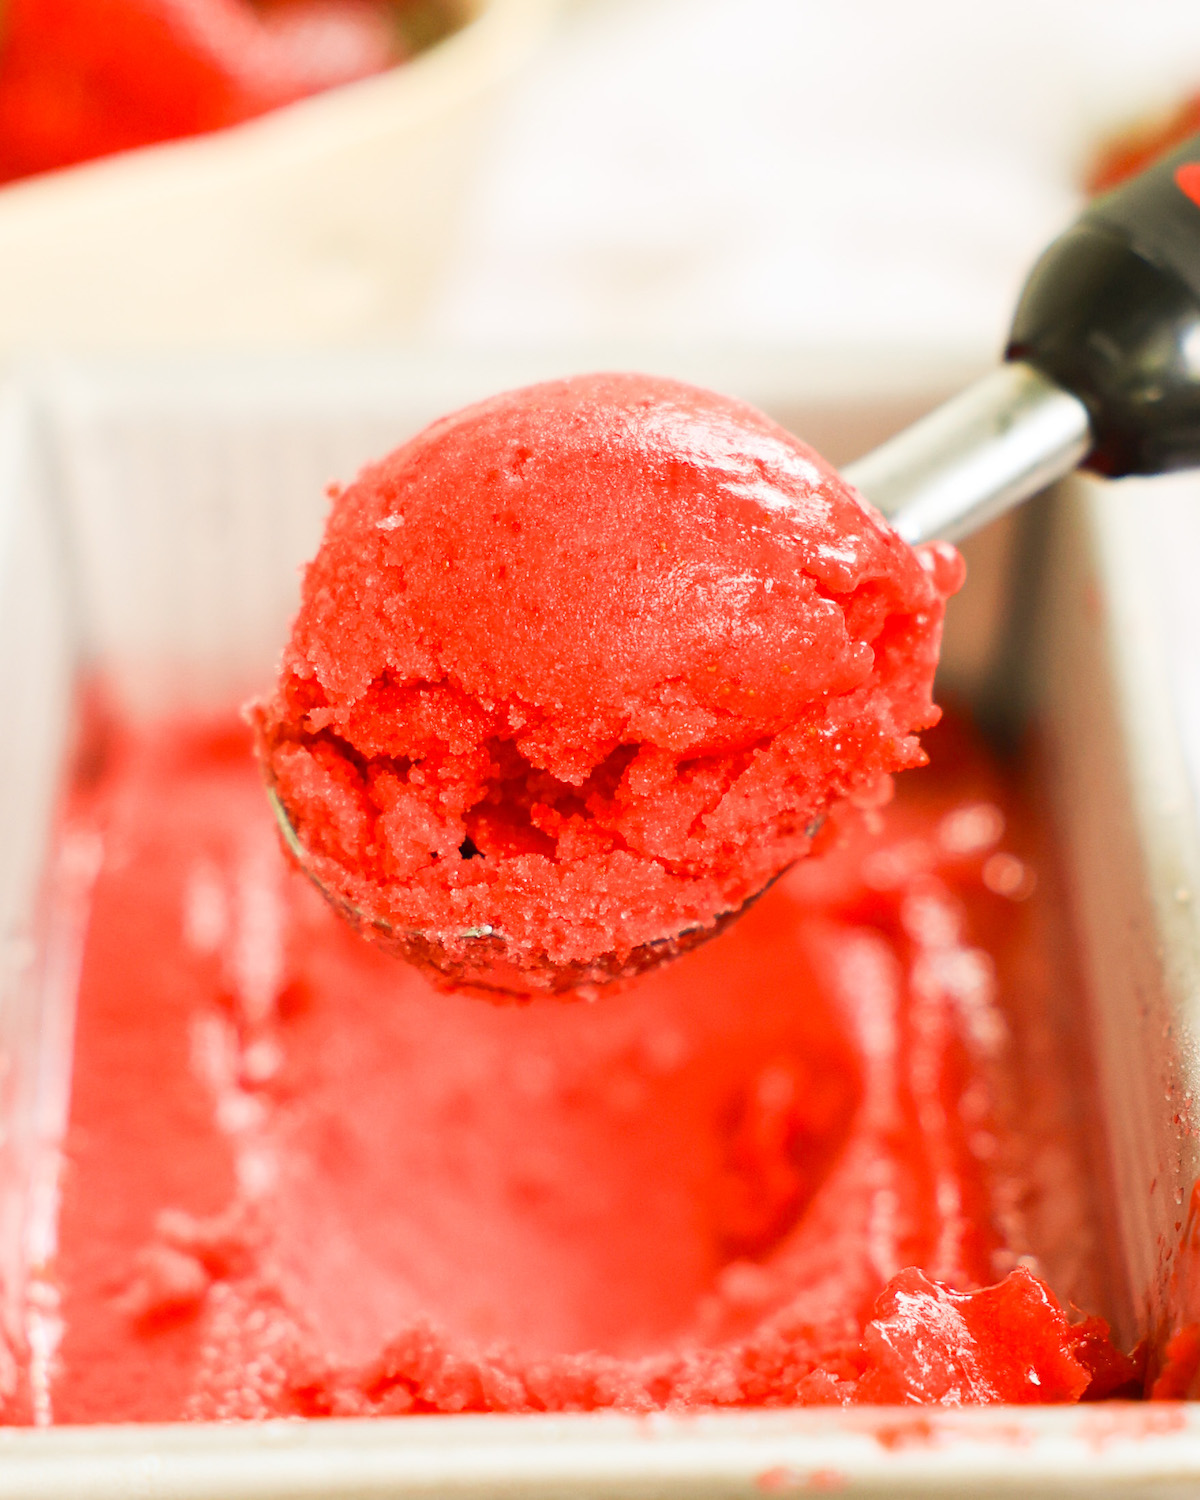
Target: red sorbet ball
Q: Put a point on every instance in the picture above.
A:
(578, 670)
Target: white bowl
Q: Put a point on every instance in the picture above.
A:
(323, 221)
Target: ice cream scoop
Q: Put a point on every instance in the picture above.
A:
(1102, 368)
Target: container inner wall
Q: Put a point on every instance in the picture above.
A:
(37, 968)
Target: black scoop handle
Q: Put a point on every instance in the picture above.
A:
(1111, 312)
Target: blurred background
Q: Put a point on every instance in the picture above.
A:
(851, 190)
(861, 177)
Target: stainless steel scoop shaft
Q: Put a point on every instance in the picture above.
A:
(992, 446)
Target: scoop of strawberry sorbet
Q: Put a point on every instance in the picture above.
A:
(579, 669)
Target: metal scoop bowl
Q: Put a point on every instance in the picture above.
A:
(483, 960)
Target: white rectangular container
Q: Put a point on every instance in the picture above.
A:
(152, 519)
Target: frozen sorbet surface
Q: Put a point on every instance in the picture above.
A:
(809, 1162)
(579, 669)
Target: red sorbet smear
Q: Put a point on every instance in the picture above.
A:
(299, 1181)
(582, 667)
(86, 78)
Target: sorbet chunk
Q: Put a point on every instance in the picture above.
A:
(578, 670)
